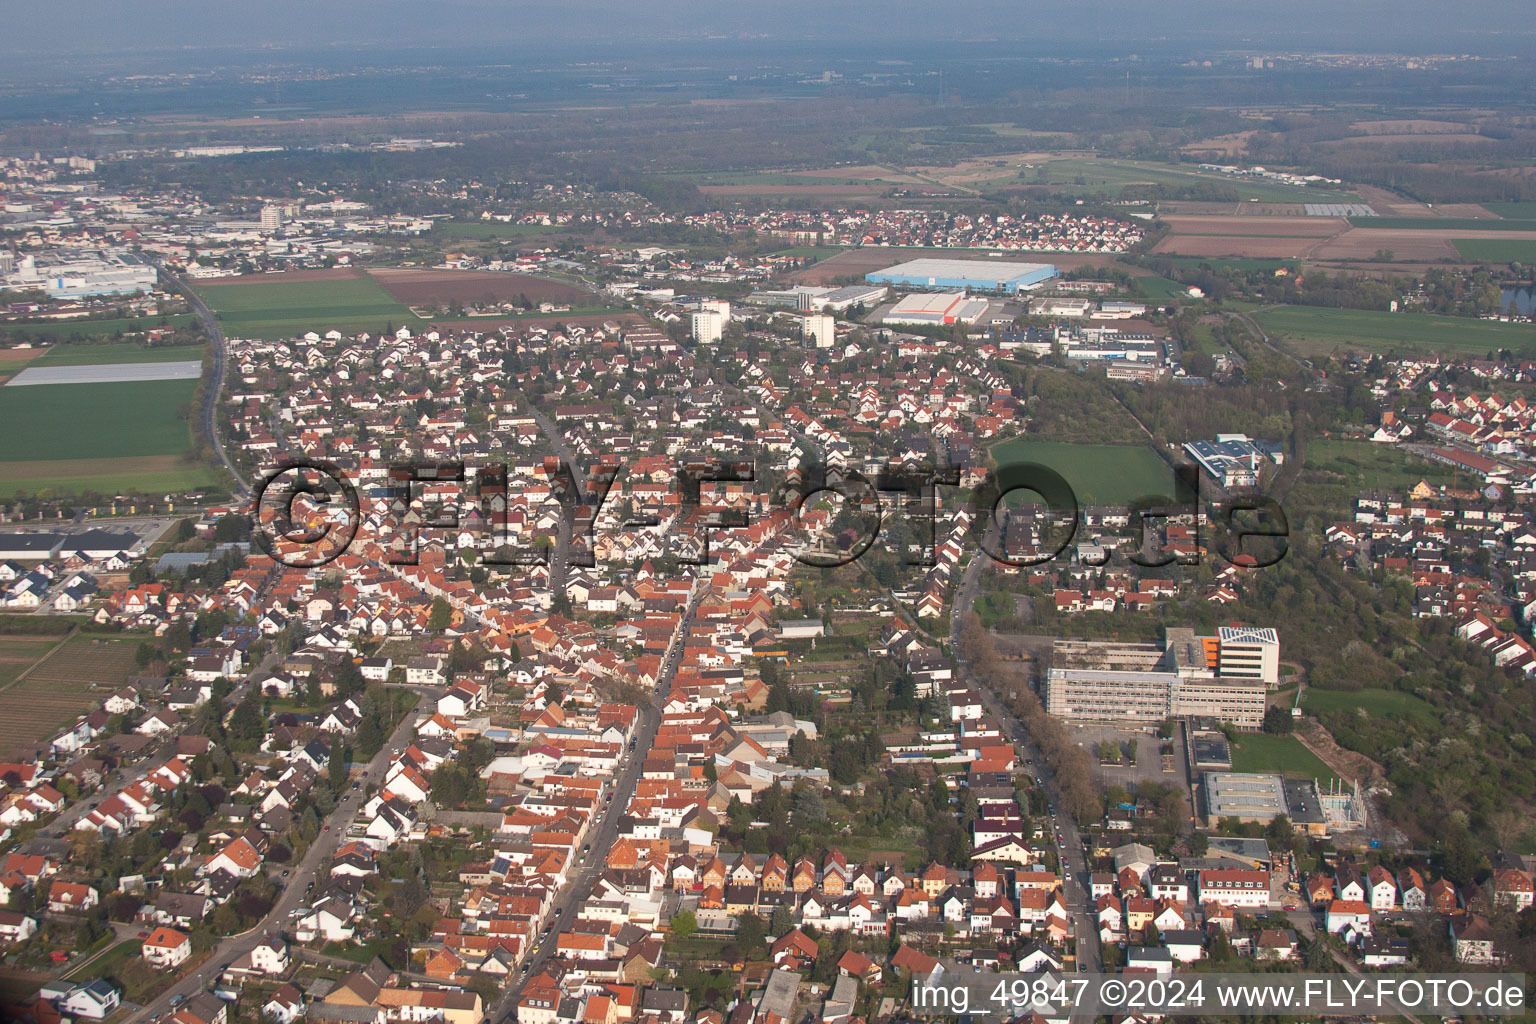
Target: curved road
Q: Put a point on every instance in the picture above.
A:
(216, 384)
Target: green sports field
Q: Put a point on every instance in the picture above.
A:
(1318, 331)
(1373, 703)
(117, 352)
(94, 421)
(1283, 755)
(1100, 474)
(1496, 250)
(1154, 287)
(287, 309)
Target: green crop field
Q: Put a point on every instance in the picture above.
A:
(62, 330)
(1512, 211)
(94, 421)
(1496, 250)
(287, 309)
(1316, 331)
(1100, 474)
(1374, 704)
(117, 352)
(1442, 224)
(1283, 755)
(149, 474)
(1090, 176)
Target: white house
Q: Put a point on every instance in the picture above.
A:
(166, 948)
(15, 927)
(330, 920)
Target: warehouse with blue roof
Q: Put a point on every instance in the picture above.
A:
(969, 275)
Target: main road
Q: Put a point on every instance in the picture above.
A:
(601, 839)
(561, 557)
(215, 380)
(1064, 831)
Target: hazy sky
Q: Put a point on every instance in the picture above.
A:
(119, 27)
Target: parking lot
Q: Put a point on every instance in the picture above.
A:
(1148, 766)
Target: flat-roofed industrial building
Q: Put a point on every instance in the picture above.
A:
(965, 275)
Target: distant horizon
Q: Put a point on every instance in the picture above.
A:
(473, 30)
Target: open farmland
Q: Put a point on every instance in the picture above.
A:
(1318, 331)
(288, 305)
(1419, 243)
(63, 330)
(1479, 224)
(19, 653)
(1269, 227)
(149, 474)
(1496, 250)
(1093, 176)
(95, 421)
(1100, 474)
(118, 352)
(1238, 246)
(62, 686)
(1512, 211)
(434, 288)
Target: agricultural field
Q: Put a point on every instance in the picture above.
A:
(1496, 250)
(1235, 263)
(64, 685)
(18, 653)
(1259, 227)
(1284, 755)
(62, 330)
(149, 474)
(1091, 176)
(1237, 246)
(95, 421)
(1321, 331)
(1442, 224)
(284, 306)
(436, 288)
(1511, 211)
(117, 352)
(1100, 474)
